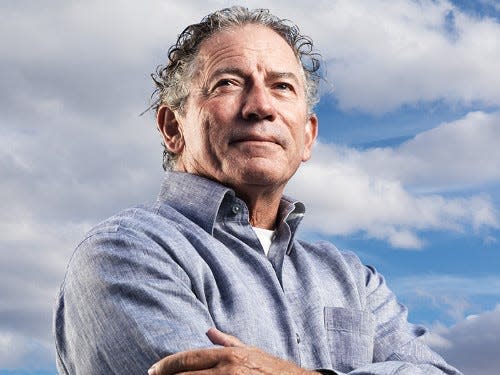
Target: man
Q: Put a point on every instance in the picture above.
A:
(210, 279)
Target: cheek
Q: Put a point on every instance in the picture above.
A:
(224, 110)
(220, 121)
(195, 136)
(213, 136)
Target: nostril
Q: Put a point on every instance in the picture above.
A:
(252, 116)
(258, 116)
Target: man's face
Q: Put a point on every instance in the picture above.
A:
(245, 122)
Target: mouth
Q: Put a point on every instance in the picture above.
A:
(257, 138)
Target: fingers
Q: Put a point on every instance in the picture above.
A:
(220, 338)
(193, 360)
(229, 360)
(203, 359)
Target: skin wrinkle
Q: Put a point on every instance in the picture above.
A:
(200, 59)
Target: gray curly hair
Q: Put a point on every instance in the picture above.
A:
(173, 79)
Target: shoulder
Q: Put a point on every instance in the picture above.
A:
(151, 224)
(139, 220)
(140, 240)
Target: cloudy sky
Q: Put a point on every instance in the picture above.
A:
(405, 172)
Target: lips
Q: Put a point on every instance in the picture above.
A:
(253, 139)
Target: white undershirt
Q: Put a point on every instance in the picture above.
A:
(265, 237)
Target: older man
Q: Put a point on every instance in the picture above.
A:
(210, 279)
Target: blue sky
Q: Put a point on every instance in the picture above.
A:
(405, 172)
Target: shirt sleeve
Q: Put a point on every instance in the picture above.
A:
(398, 349)
(123, 306)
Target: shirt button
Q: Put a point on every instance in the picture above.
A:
(297, 337)
(236, 208)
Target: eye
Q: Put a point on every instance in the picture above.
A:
(284, 86)
(224, 82)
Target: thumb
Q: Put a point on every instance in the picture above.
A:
(220, 338)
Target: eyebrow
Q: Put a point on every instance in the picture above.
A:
(229, 70)
(273, 75)
(284, 75)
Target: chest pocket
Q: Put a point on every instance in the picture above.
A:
(350, 336)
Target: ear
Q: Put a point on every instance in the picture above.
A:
(171, 132)
(311, 133)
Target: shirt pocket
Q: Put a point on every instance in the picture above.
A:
(350, 334)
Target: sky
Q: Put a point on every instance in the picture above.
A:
(405, 171)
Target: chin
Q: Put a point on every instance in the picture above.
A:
(263, 176)
(260, 171)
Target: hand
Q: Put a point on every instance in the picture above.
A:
(234, 358)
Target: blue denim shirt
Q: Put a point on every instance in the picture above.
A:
(152, 280)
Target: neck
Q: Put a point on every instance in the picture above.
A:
(262, 200)
(262, 206)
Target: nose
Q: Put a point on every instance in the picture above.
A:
(258, 104)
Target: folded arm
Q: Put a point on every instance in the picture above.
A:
(398, 349)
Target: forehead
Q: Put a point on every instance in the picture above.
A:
(251, 46)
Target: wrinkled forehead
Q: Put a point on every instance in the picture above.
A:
(247, 43)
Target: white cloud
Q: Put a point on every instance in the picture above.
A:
(380, 191)
(472, 344)
(461, 153)
(94, 30)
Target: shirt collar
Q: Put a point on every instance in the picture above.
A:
(196, 197)
(291, 212)
(200, 199)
